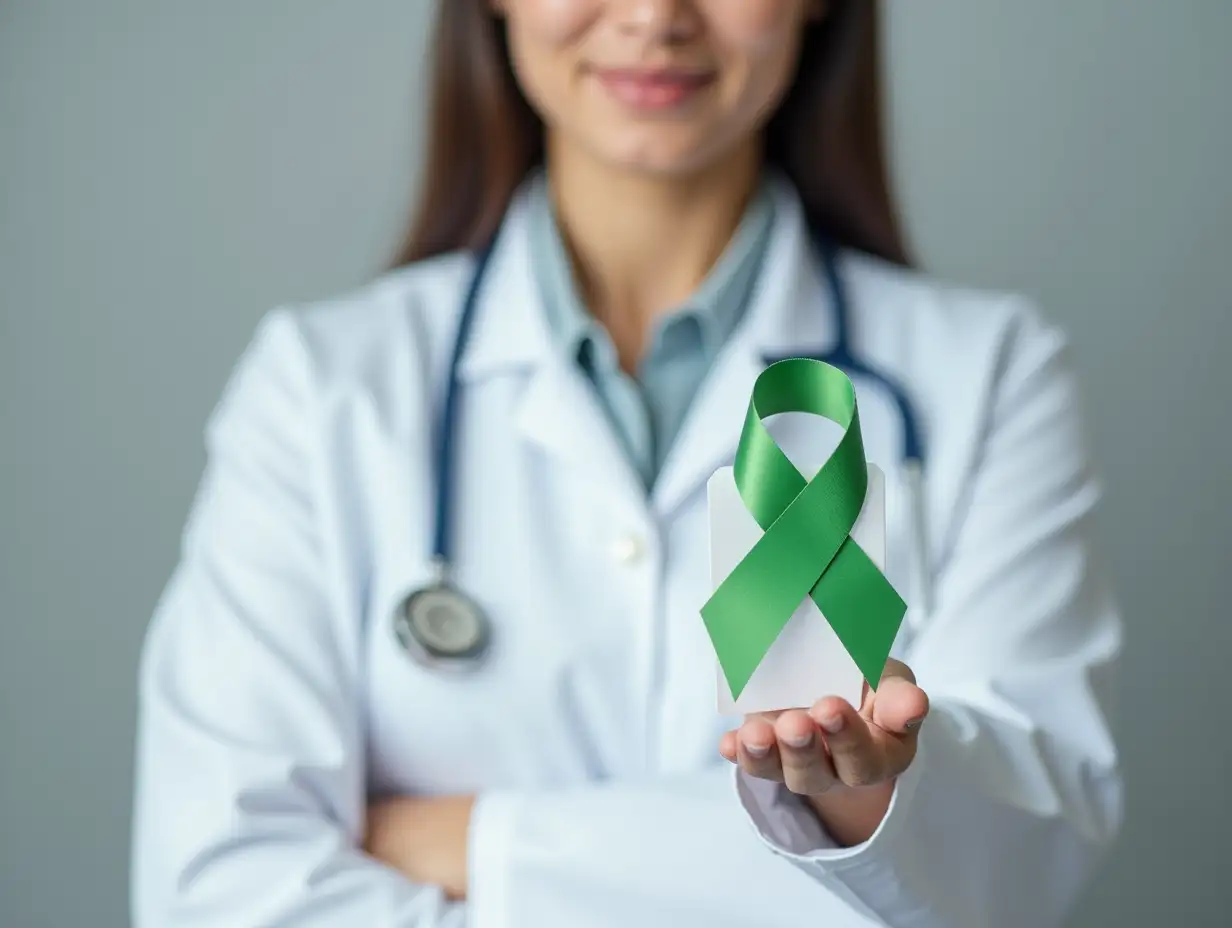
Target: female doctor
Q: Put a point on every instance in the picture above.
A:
(432, 655)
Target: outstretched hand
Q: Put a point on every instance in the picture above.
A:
(844, 761)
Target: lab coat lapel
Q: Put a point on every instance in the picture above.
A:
(790, 315)
(557, 410)
(561, 414)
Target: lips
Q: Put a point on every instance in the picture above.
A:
(653, 89)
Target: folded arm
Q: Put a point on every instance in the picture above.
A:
(250, 793)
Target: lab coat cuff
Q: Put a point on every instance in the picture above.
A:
(489, 846)
(788, 826)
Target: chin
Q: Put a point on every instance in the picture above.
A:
(664, 157)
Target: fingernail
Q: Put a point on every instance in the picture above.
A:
(757, 750)
(799, 741)
(832, 723)
(914, 724)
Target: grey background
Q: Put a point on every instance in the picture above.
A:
(170, 170)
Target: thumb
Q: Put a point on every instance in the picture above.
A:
(899, 705)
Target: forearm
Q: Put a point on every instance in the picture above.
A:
(293, 873)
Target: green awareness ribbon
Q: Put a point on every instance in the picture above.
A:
(806, 548)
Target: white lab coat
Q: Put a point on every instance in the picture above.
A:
(275, 702)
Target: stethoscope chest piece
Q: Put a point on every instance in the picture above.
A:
(442, 628)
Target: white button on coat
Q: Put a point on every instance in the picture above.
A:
(628, 549)
(275, 699)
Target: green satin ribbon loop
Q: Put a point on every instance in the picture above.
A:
(806, 549)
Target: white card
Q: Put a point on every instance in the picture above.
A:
(807, 661)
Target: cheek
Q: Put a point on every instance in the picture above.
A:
(550, 23)
(759, 39)
(757, 27)
(544, 36)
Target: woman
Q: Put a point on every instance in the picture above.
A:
(656, 179)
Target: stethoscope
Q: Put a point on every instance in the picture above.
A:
(443, 628)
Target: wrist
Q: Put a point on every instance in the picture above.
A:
(852, 814)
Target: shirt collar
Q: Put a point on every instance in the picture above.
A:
(708, 317)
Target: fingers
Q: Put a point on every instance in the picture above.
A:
(784, 747)
(806, 763)
(857, 757)
(877, 743)
(757, 749)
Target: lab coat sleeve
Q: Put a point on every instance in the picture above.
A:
(250, 789)
(658, 853)
(1015, 792)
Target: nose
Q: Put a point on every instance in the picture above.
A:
(665, 21)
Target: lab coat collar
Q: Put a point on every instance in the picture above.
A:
(510, 329)
(789, 314)
(557, 410)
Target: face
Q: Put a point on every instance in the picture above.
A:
(655, 86)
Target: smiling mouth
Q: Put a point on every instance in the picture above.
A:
(657, 89)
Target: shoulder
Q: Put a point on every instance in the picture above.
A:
(953, 339)
(978, 363)
(409, 311)
(939, 312)
(403, 316)
(377, 345)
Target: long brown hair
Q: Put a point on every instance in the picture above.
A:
(484, 137)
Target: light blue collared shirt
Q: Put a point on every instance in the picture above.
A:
(647, 410)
